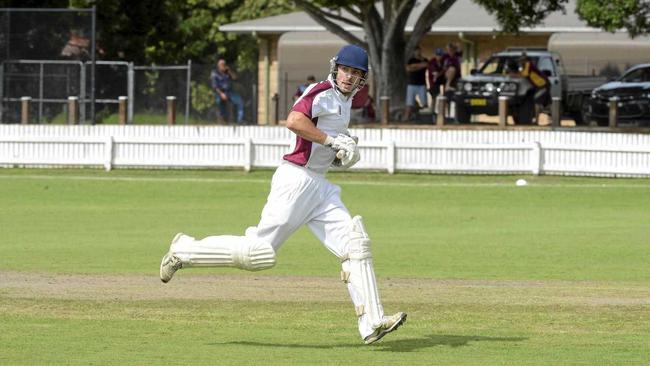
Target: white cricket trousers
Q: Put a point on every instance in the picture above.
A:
(301, 197)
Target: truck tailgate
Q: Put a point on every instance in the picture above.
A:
(584, 83)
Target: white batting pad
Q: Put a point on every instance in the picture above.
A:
(245, 252)
(359, 274)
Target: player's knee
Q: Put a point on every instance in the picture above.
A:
(359, 243)
(256, 255)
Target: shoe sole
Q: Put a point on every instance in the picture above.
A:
(162, 263)
(397, 324)
(166, 256)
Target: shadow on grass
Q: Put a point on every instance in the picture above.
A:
(402, 345)
(433, 340)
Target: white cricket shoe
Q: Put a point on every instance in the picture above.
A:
(170, 263)
(389, 324)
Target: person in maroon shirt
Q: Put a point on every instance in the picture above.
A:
(301, 195)
(436, 73)
(363, 101)
(451, 66)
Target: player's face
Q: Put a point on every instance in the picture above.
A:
(348, 78)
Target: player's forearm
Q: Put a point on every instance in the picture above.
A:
(302, 126)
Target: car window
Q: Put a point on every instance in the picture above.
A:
(635, 76)
(502, 65)
(546, 63)
(492, 66)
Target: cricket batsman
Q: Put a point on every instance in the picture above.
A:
(301, 195)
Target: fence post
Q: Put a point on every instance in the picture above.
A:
(536, 158)
(122, 110)
(555, 111)
(276, 105)
(2, 83)
(171, 110)
(248, 154)
(108, 151)
(73, 110)
(188, 91)
(503, 111)
(24, 110)
(613, 111)
(441, 110)
(385, 109)
(40, 93)
(82, 93)
(130, 91)
(390, 156)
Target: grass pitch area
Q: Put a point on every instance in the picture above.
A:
(555, 272)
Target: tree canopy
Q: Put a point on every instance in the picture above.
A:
(168, 32)
(613, 15)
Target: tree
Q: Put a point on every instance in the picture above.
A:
(613, 15)
(169, 32)
(388, 44)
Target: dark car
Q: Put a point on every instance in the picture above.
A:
(633, 92)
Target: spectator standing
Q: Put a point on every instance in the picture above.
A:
(221, 80)
(301, 89)
(451, 67)
(542, 94)
(436, 73)
(416, 68)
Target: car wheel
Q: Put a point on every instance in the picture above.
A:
(582, 117)
(463, 114)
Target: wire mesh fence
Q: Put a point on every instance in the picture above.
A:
(46, 57)
(42, 51)
(49, 84)
(45, 34)
(203, 102)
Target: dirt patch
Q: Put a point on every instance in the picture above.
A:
(190, 286)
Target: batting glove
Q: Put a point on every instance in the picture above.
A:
(351, 156)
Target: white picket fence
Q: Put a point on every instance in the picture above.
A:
(423, 150)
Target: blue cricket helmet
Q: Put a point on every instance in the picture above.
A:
(352, 56)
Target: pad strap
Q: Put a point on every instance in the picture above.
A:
(360, 310)
(345, 276)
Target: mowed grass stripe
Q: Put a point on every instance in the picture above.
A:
(458, 229)
(239, 286)
(533, 183)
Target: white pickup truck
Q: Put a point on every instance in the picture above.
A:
(479, 92)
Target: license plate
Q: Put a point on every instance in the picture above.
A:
(478, 102)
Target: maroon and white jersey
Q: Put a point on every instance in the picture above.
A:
(329, 110)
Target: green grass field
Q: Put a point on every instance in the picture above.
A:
(555, 272)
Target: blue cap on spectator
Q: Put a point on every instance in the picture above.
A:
(439, 51)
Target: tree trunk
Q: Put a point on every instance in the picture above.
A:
(392, 77)
(385, 38)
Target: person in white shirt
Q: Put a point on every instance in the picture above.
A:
(301, 195)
